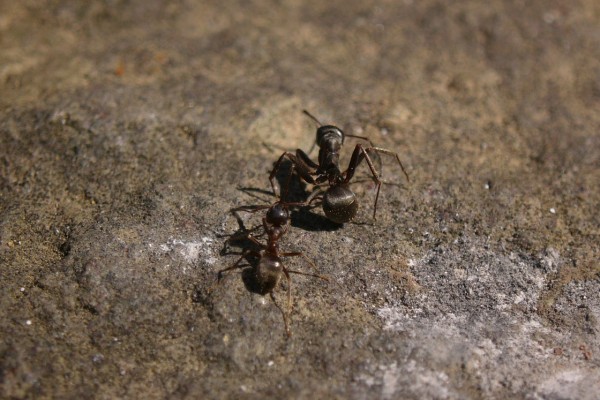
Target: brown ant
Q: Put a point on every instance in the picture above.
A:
(339, 202)
(269, 267)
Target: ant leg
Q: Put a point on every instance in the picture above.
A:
(256, 242)
(323, 277)
(305, 167)
(287, 183)
(304, 161)
(358, 155)
(276, 166)
(313, 195)
(243, 233)
(248, 209)
(312, 264)
(237, 265)
(289, 180)
(285, 318)
(248, 232)
(299, 254)
(289, 291)
(378, 159)
(289, 301)
(391, 153)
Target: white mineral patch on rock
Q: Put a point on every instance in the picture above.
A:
(190, 250)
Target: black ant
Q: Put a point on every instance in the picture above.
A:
(269, 267)
(339, 202)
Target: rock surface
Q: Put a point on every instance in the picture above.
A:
(129, 129)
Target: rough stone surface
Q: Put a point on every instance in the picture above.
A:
(129, 129)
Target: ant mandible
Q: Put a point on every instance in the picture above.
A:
(339, 202)
(269, 268)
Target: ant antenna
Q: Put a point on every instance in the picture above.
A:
(319, 124)
(312, 117)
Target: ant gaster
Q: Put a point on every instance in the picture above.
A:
(339, 202)
(269, 268)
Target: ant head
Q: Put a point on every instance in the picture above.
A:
(329, 133)
(278, 215)
(339, 204)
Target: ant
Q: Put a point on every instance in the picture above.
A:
(339, 202)
(269, 267)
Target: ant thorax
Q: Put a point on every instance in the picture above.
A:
(329, 161)
(334, 175)
(330, 139)
(275, 233)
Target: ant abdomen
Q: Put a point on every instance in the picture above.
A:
(339, 204)
(268, 273)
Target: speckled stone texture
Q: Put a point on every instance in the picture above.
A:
(129, 129)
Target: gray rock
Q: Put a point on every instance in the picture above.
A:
(129, 129)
